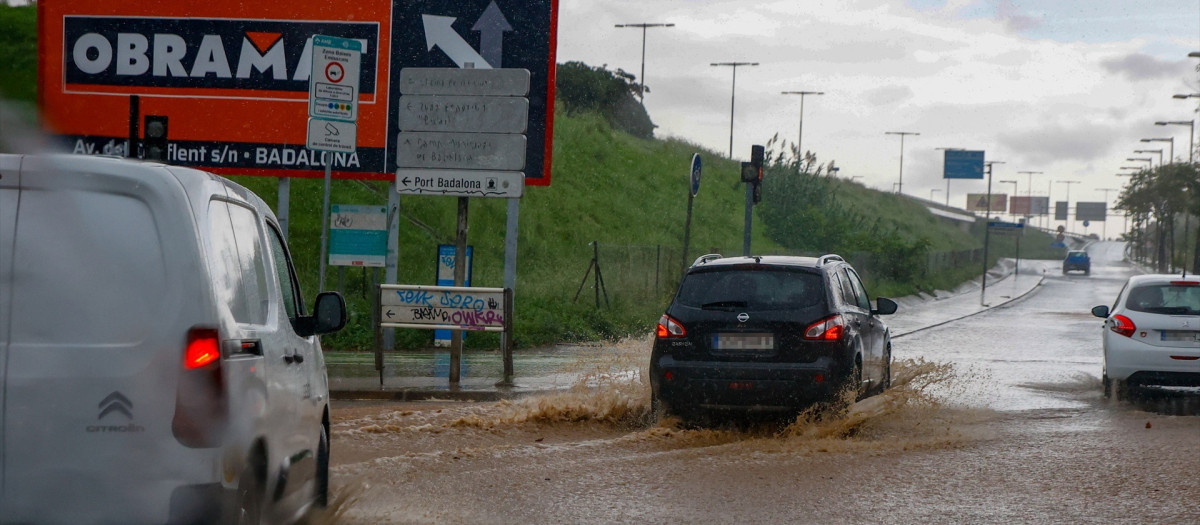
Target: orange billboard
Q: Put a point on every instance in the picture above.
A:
(232, 77)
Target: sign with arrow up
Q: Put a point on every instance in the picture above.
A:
(517, 36)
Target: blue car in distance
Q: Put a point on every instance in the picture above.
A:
(1077, 260)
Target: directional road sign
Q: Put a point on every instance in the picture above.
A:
(963, 164)
(478, 35)
(460, 183)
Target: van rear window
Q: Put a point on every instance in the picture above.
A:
(88, 268)
(756, 288)
(236, 261)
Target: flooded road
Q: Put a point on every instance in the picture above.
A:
(994, 418)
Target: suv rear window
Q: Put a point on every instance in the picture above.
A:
(759, 288)
(1165, 298)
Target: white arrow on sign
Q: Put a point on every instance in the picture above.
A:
(438, 32)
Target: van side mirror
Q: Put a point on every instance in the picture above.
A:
(884, 306)
(1100, 311)
(329, 315)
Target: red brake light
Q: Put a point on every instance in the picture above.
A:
(203, 347)
(831, 328)
(669, 328)
(1123, 325)
(1185, 283)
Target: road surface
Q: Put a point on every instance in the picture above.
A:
(996, 418)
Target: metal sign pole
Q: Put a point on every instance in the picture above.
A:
(687, 235)
(393, 254)
(749, 218)
(325, 221)
(987, 236)
(460, 276)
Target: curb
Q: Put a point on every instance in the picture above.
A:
(1032, 289)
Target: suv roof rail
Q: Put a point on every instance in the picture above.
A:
(705, 258)
(828, 258)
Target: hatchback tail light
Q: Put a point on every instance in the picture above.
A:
(828, 329)
(201, 406)
(668, 328)
(1123, 325)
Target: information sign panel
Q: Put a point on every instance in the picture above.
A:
(979, 202)
(357, 235)
(1060, 211)
(332, 135)
(443, 307)
(1091, 211)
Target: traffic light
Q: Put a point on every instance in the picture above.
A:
(749, 174)
(757, 153)
(155, 140)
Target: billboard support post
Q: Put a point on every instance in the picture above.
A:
(987, 232)
(134, 114)
(285, 192)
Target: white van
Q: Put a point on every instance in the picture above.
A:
(157, 363)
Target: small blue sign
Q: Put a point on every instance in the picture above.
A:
(963, 164)
(445, 277)
(695, 174)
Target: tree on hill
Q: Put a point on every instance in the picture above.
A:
(583, 88)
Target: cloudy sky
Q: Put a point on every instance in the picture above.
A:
(1065, 87)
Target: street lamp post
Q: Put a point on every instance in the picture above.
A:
(987, 232)
(900, 186)
(733, 96)
(642, 77)
(1104, 229)
(1191, 124)
(800, 136)
(1158, 151)
(1148, 160)
(1068, 183)
(1169, 139)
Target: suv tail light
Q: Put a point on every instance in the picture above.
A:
(668, 327)
(201, 406)
(828, 329)
(1123, 325)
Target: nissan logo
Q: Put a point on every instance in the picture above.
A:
(743, 317)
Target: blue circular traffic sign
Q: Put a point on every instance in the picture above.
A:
(695, 174)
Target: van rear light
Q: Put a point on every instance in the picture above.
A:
(201, 406)
(1185, 283)
(668, 327)
(1123, 325)
(828, 329)
(203, 347)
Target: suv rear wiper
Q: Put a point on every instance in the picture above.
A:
(723, 304)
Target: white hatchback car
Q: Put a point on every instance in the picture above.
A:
(1152, 334)
(156, 361)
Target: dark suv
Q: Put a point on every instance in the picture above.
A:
(768, 333)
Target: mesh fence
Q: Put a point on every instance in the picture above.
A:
(638, 272)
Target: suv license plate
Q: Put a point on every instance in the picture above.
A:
(743, 342)
(1180, 335)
